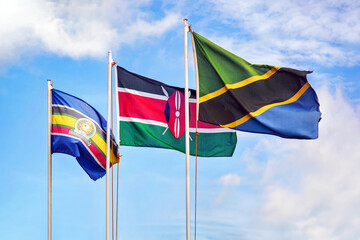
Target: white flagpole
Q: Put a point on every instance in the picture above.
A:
(112, 170)
(49, 87)
(117, 104)
(187, 133)
(118, 128)
(108, 129)
(197, 119)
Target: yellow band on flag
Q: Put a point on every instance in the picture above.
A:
(267, 107)
(238, 84)
(69, 121)
(63, 120)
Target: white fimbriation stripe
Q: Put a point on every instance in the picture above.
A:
(84, 144)
(145, 121)
(143, 94)
(49, 101)
(212, 130)
(161, 124)
(149, 95)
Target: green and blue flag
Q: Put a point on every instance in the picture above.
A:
(254, 98)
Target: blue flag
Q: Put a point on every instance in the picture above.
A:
(80, 131)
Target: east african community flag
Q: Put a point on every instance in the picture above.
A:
(80, 131)
(152, 114)
(254, 98)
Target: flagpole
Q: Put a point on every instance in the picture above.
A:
(187, 134)
(197, 118)
(118, 128)
(112, 169)
(117, 105)
(49, 87)
(108, 133)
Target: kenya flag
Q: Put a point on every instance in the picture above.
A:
(152, 114)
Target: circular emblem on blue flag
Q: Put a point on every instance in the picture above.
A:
(85, 127)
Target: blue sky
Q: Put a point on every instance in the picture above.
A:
(271, 188)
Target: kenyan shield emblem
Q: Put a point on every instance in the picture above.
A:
(175, 114)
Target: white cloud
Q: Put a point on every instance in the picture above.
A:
(311, 187)
(325, 32)
(227, 181)
(230, 179)
(143, 28)
(76, 28)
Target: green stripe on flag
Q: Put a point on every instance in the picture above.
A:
(146, 135)
(220, 67)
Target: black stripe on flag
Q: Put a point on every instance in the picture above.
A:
(130, 80)
(236, 103)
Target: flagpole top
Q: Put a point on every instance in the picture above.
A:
(186, 24)
(50, 83)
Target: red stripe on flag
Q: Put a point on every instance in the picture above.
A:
(59, 129)
(136, 106)
(94, 150)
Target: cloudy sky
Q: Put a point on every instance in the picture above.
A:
(271, 188)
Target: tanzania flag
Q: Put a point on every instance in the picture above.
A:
(254, 98)
(80, 131)
(152, 114)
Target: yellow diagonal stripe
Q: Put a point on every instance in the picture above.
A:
(238, 84)
(70, 122)
(267, 107)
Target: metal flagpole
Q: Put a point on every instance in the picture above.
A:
(49, 87)
(187, 134)
(118, 128)
(108, 133)
(112, 169)
(197, 119)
